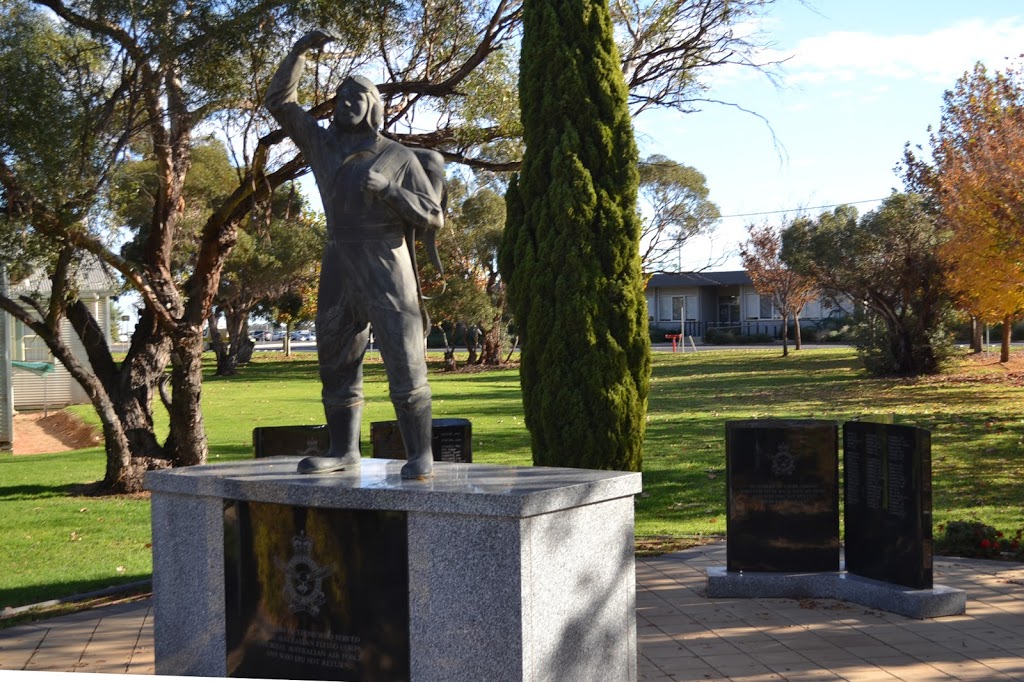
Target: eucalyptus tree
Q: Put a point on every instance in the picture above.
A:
(887, 261)
(66, 115)
(679, 210)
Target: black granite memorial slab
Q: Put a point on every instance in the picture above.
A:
(290, 441)
(316, 593)
(888, 512)
(783, 495)
(451, 440)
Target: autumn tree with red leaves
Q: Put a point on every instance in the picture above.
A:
(788, 290)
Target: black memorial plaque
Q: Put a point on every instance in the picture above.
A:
(290, 441)
(783, 495)
(316, 594)
(888, 492)
(451, 440)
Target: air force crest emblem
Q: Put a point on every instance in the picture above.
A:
(304, 578)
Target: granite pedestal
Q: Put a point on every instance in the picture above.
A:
(512, 573)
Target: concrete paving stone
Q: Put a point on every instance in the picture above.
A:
(1008, 665)
(867, 673)
(667, 648)
(707, 648)
(724, 662)
(873, 651)
(835, 659)
(919, 673)
(759, 674)
(898, 636)
(16, 659)
(774, 659)
(968, 670)
(674, 620)
(893, 662)
(829, 655)
(673, 663)
(810, 676)
(848, 639)
(763, 647)
(921, 650)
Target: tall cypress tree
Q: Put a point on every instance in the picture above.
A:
(570, 255)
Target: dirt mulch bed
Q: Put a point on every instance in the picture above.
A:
(59, 431)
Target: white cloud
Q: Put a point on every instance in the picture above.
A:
(940, 56)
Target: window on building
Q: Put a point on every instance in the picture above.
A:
(28, 347)
(761, 307)
(677, 308)
(812, 311)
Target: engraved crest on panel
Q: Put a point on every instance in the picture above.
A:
(783, 462)
(304, 578)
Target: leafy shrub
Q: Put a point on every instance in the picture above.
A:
(977, 539)
(909, 351)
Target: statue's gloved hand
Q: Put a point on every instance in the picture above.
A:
(375, 183)
(316, 39)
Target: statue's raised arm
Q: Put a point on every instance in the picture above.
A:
(281, 98)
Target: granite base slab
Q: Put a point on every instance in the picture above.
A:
(936, 602)
(515, 574)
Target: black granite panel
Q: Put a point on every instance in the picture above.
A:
(783, 495)
(316, 593)
(451, 440)
(290, 441)
(888, 495)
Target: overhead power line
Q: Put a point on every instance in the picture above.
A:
(802, 208)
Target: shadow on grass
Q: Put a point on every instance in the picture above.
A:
(34, 594)
(32, 492)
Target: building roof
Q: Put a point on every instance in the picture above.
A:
(699, 279)
(93, 277)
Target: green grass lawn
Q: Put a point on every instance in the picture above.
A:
(56, 543)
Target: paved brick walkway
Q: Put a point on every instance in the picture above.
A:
(681, 633)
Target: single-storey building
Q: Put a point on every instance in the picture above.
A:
(33, 387)
(690, 303)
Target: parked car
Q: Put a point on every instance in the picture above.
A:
(261, 335)
(300, 335)
(278, 336)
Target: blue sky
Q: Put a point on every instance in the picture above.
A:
(862, 78)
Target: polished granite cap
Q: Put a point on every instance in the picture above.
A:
(478, 489)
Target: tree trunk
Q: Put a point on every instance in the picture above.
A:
(226, 362)
(246, 346)
(976, 335)
(1004, 351)
(186, 443)
(122, 395)
(472, 335)
(492, 343)
(785, 335)
(796, 331)
(287, 341)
